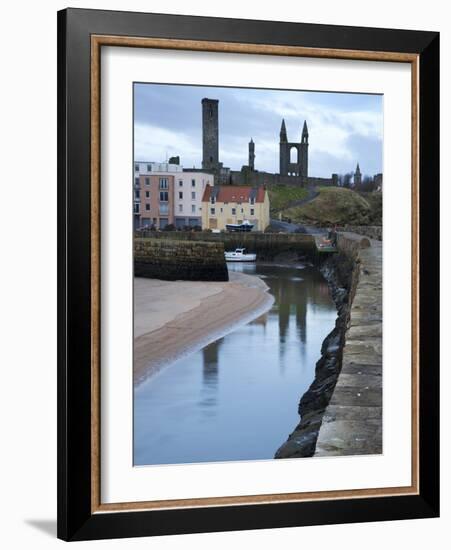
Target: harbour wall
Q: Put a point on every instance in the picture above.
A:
(267, 246)
(171, 260)
(341, 412)
(371, 231)
(352, 421)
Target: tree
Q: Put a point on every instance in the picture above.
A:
(367, 184)
(346, 181)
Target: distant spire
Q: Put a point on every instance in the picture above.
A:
(283, 131)
(357, 176)
(252, 141)
(304, 138)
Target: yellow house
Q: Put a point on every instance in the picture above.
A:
(223, 204)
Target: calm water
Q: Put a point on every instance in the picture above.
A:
(237, 398)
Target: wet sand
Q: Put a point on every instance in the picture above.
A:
(173, 318)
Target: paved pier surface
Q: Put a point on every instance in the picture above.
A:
(352, 422)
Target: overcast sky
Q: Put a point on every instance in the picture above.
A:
(343, 128)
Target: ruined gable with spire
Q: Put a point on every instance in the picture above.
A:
(293, 156)
(293, 163)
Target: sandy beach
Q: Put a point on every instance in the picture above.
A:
(172, 318)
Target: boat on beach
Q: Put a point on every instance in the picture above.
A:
(239, 255)
(245, 226)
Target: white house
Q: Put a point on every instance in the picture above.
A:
(188, 191)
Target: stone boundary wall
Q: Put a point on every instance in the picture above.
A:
(371, 231)
(172, 260)
(248, 177)
(267, 245)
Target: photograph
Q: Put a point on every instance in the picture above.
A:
(257, 257)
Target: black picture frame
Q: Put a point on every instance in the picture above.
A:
(76, 521)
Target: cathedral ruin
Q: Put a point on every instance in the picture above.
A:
(293, 157)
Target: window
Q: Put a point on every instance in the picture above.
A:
(212, 200)
(136, 208)
(136, 193)
(193, 208)
(136, 181)
(164, 183)
(147, 181)
(252, 201)
(252, 211)
(222, 210)
(242, 210)
(212, 211)
(147, 206)
(180, 207)
(193, 183)
(180, 194)
(149, 168)
(147, 194)
(180, 183)
(193, 195)
(164, 208)
(136, 167)
(233, 211)
(164, 196)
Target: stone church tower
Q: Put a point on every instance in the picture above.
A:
(294, 156)
(210, 139)
(251, 155)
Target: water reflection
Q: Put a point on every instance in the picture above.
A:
(210, 356)
(237, 398)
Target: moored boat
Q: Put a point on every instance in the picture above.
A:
(245, 226)
(239, 255)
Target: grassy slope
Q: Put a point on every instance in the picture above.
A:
(338, 205)
(280, 196)
(375, 202)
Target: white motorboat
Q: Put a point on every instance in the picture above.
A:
(239, 255)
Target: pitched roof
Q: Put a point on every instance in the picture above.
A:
(234, 193)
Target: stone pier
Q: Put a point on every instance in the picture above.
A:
(352, 422)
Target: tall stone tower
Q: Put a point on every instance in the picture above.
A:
(210, 139)
(357, 176)
(293, 158)
(251, 155)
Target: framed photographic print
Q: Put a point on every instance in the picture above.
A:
(248, 274)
